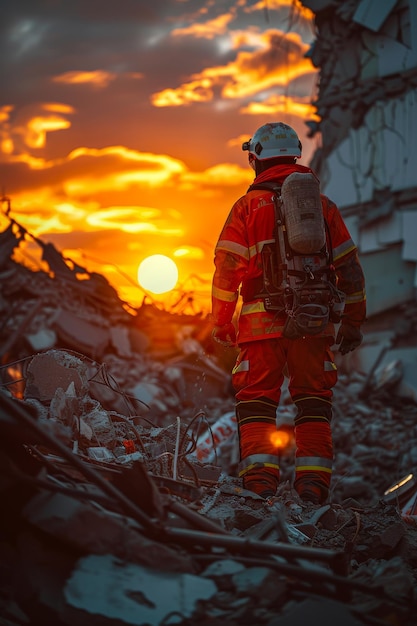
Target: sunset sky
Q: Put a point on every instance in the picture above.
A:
(121, 123)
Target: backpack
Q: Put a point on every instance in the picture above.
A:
(298, 275)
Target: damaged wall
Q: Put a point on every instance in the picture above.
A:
(367, 97)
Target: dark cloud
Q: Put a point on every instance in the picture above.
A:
(42, 38)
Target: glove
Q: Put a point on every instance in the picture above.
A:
(225, 335)
(349, 337)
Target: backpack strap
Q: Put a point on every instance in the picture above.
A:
(280, 232)
(266, 286)
(329, 242)
(268, 185)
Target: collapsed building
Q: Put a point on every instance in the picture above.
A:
(119, 454)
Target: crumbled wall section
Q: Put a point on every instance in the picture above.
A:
(366, 104)
(350, 78)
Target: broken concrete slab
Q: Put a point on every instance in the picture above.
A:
(102, 585)
(65, 405)
(88, 528)
(52, 370)
(44, 339)
(81, 335)
(312, 610)
(120, 339)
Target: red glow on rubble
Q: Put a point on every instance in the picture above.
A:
(17, 385)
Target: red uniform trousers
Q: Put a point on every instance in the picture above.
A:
(257, 378)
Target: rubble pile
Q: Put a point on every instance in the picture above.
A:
(120, 498)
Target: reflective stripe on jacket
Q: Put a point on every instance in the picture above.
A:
(249, 226)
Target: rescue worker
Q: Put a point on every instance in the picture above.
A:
(265, 356)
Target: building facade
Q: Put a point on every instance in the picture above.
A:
(366, 55)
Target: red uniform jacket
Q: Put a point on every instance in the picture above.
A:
(249, 225)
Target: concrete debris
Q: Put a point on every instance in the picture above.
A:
(118, 463)
(81, 334)
(324, 612)
(48, 372)
(102, 586)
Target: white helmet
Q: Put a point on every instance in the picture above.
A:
(274, 140)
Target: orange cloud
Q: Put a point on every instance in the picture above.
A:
(31, 126)
(6, 143)
(282, 104)
(218, 176)
(238, 141)
(34, 163)
(119, 166)
(279, 60)
(199, 90)
(189, 252)
(133, 220)
(58, 107)
(296, 5)
(268, 68)
(129, 168)
(97, 78)
(37, 127)
(5, 113)
(208, 30)
(39, 215)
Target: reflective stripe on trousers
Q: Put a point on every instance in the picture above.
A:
(313, 464)
(257, 461)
